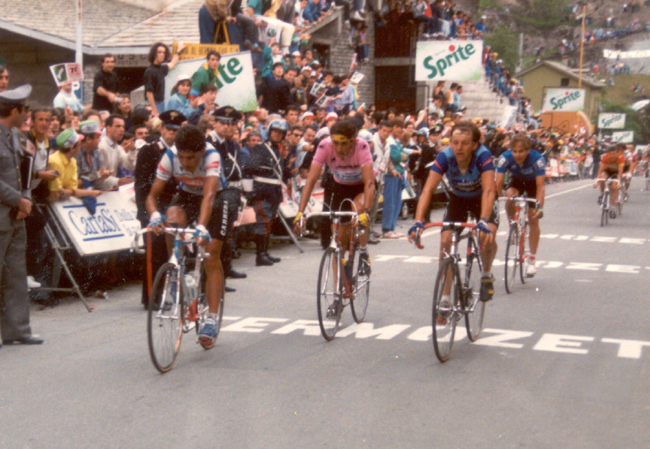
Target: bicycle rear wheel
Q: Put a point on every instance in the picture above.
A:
(619, 202)
(165, 318)
(472, 291)
(443, 316)
(605, 211)
(512, 257)
(523, 253)
(359, 304)
(328, 294)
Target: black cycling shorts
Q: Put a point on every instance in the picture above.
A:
(459, 208)
(191, 204)
(611, 173)
(337, 195)
(523, 186)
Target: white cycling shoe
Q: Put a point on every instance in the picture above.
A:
(531, 269)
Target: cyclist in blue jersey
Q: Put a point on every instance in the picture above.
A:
(527, 170)
(470, 172)
(197, 166)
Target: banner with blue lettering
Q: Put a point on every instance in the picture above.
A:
(109, 230)
(236, 81)
(564, 99)
(449, 60)
(611, 120)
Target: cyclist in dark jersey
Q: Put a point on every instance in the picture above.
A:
(527, 170)
(470, 172)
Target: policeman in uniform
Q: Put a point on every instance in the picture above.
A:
(221, 138)
(14, 207)
(264, 167)
(145, 173)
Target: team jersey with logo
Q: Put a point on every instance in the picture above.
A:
(612, 160)
(534, 166)
(466, 185)
(169, 167)
(347, 170)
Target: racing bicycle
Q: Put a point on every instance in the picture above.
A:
(607, 211)
(517, 250)
(464, 292)
(178, 302)
(339, 284)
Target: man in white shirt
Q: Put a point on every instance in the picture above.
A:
(379, 164)
(66, 97)
(113, 155)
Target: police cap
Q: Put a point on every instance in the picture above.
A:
(227, 114)
(17, 95)
(172, 119)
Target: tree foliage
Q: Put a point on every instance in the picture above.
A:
(543, 14)
(505, 43)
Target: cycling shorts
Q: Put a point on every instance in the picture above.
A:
(611, 173)
(523, 186)
(191, 204)
(459, 209)
(338, 194)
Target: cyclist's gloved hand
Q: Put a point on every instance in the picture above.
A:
(297, 219)
(540, 213)
(364, 220)
(156, 219)
(483, 226)
(414, 233)
(202, 233)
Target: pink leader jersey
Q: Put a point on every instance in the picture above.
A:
(346, 171)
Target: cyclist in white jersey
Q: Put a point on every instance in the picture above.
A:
(197, 166)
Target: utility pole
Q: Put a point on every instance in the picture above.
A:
(79, 56)
(582, 43)
(521, 52)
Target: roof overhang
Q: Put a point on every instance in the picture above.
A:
(68, 44)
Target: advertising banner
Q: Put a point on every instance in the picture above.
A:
(109, 230)
(448, 60)
(235, 81)
(611, 120)
(66, 73)
(623, 136)
(194, 51)
(563, 99)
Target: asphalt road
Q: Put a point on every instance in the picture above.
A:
(562, 362)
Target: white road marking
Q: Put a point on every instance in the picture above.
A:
(566, 191)
(499, 338)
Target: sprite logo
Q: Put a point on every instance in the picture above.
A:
(568, 96)
(606, 123)
(456, 55)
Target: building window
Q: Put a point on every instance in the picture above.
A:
(564, 82)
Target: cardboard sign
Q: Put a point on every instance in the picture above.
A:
(235, 81)
(196, 51)
(449, 60)
(66, 73)
(109, 230)
(611, 120)
(623, 136)
(564, 100)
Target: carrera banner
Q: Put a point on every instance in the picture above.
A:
(611, 120)
(564, 100)
(623, 136)
(235, 81)
(448, 60)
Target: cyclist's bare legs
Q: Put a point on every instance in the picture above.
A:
(510, 205)
(445, 247)
(488, 247)
(214, 274)
(535, 231)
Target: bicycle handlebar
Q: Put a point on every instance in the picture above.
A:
(454, 225)
(137, 248)
(335, 213)
(520, 199)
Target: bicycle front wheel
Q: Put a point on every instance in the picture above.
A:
(328, 294)
(165, 318)
(472, 290)
(445, 296)
(512, 257)
(605, 210)
(359, 304)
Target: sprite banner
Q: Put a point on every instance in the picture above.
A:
(564, 100)
(611, 120)
(623, 136)
(448, 60)
(235, 81)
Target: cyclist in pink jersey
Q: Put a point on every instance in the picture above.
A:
(350, 161)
